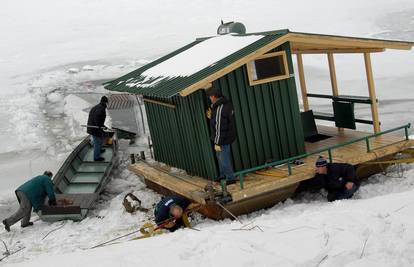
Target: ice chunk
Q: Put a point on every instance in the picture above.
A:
(73, 70)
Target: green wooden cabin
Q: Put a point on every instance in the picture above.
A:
(255, 72)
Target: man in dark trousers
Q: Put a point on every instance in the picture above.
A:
(223, 132)
(169, 211)
(339, 179)
(96, 124)
(32, 194)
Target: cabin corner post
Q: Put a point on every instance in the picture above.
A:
(332, 74)
(302, 81)
(372, 94)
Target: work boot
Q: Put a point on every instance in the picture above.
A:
(100, 159)
(27, 224)
(229, 182)
(102, 150)
(6, 226)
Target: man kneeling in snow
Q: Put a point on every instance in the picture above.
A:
(32, 194)
(169, 212)
(339, 179)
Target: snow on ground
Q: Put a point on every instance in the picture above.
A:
(374, 229)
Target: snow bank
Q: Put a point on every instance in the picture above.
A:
(371, 232)
(301, 232)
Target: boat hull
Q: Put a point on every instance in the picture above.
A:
(79, 182)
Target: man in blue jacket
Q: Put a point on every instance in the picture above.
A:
(339, 179)
(169, 211)
(30, 195)
(223, 132)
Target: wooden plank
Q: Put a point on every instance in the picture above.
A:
(334, 81)
(314, 40)
(306, 173)
(371, 90)
(317, 40)
(196, 86)
(267, 181)
(271, 79)
(304, 50)
(168, 105)
(302, 81)
(175, 184)
(332, 73)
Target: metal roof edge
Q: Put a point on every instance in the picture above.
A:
(107, 85)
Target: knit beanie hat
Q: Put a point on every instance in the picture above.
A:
(321, 162)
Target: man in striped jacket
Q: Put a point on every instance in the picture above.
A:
(223, 132)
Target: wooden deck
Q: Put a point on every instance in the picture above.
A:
(267, 181)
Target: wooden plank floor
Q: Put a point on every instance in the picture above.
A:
(274, 178)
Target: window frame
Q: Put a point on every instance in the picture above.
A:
(271, 79)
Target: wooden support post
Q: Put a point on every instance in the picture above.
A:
(334, 81)
(332, 73)
(371, 90)
(302, 82)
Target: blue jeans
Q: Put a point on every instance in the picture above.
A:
(345, 194)
(224, 162)
(97, 146)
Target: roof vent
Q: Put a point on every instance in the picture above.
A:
(231, 27)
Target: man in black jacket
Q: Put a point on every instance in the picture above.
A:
(339, 179)
(96, 121)
(169, 211)
(223, 131)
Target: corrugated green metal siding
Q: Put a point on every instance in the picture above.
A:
(181, 136)
(267, 118)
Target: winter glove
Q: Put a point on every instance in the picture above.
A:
(170, 224)
(209, 113)
(217, 148)
(52, 202)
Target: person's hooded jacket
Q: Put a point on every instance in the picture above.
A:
(338, 175)
(223, 129)
(96, 118)
(162, 210)
(36, 190)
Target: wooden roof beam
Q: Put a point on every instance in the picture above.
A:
(327, 40)
(338, 51)
(201, 84)
(312, 39)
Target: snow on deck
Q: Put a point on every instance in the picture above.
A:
(196, 58)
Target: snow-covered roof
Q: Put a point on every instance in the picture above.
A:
(169, 75)
(200, 56)
(199, 63)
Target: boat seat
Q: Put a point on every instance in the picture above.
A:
(87, 177)
(107, 155)
(81, 188)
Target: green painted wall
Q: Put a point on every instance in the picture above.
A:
(267, 117)
(180, 136)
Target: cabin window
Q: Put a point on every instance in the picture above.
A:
(267, 68)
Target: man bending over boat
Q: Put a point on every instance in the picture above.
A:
(30, 195)
(95, 127)
(169, 212)
(339, 179)
(223, 132)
